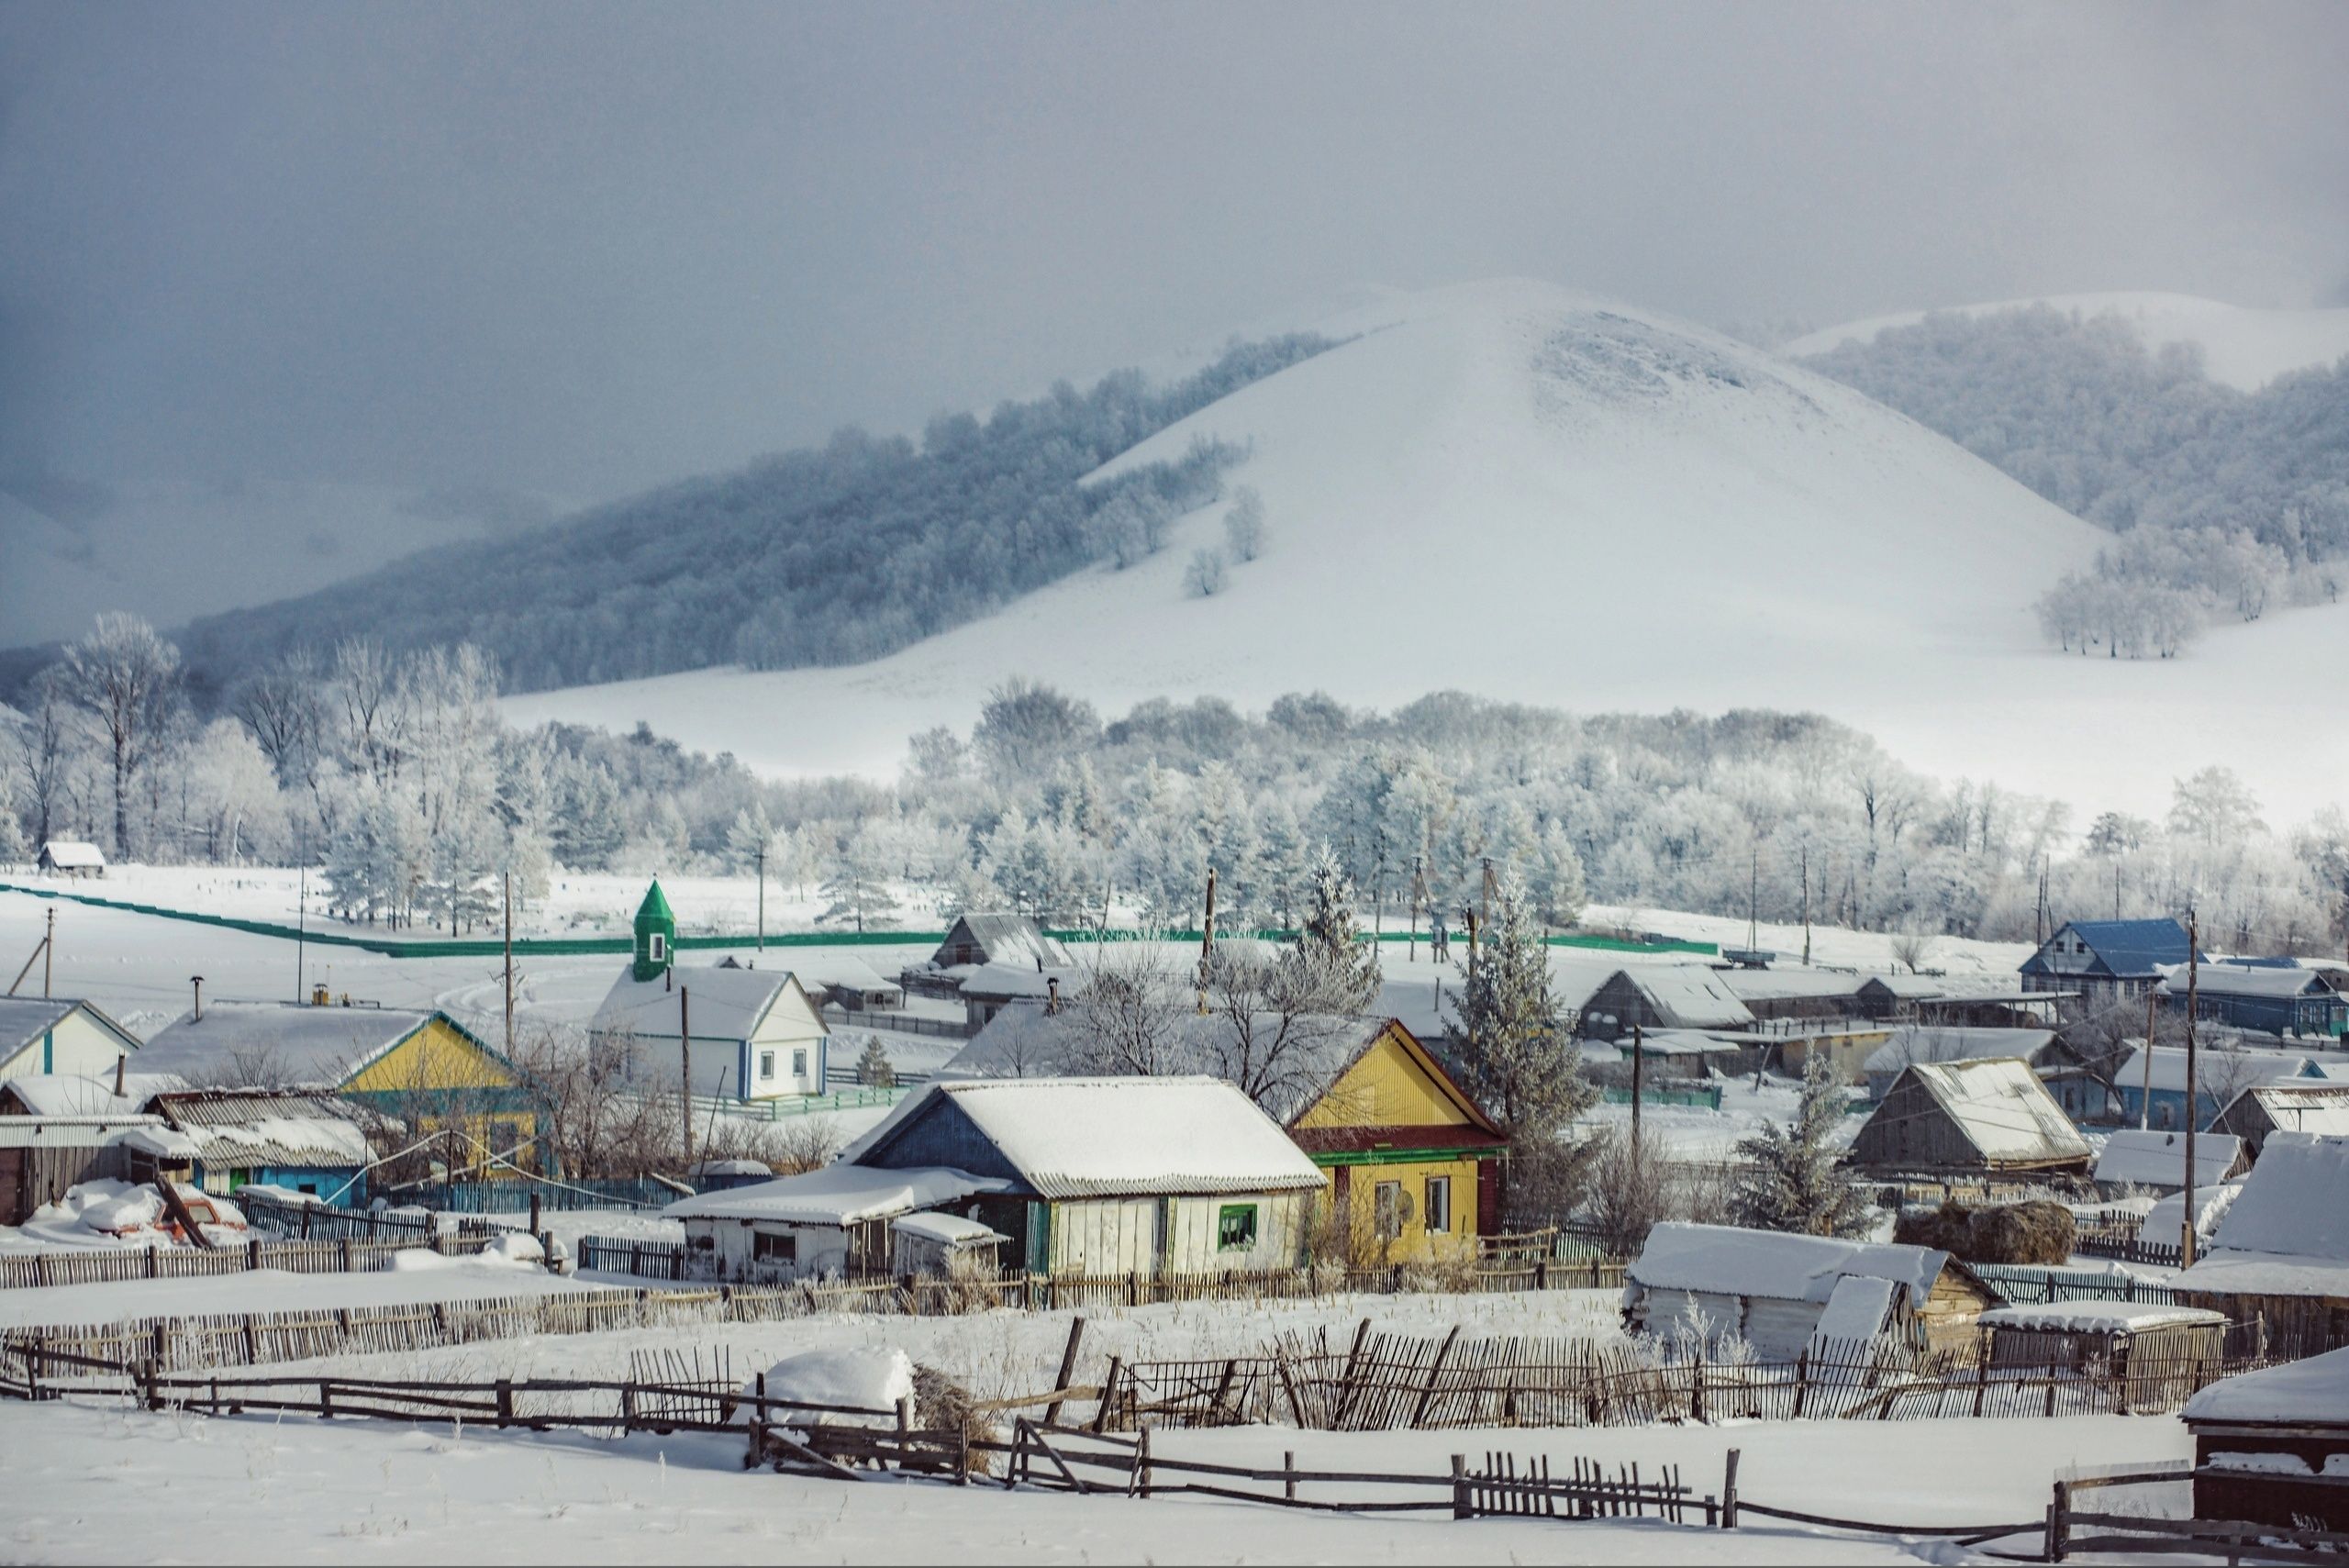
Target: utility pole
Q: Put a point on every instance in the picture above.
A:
(39, 948)
(762, 898)
(1206, 941)
(2145, 1105)
(1753, 898)
(1806, 906)
(198, 981)
(2193, 974)
(509, 881)
(2116, 887)
(1419, 891)
(49, 951)
(1639, 1057)
(301, 934)
(685, 1053)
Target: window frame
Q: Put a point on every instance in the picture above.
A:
(656, 947)
(1387, 1210)
(1436, 1217)
(766, 1063)
(767, 1247)
(1236, 1227)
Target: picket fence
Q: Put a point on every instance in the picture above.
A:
(109, 1265)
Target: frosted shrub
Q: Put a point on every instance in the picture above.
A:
(1207, 574)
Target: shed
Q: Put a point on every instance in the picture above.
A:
(2272, 1000)
(1013, 939)
(2319, 1105)
(2151, 1357)
(310, 1143)
(848, 983)
(2154, 1161)
(2282, 1250)
(756, 1034)
(943, 1244)
(1795, 993)
(829, 1223)
(2272, 1446)
(1780, 1291)
(1982, 1118)
(42, 1157)
(1662, 996)
(61, 1034)
(80, 1094)
(1933, 1042)
(1109, 1176)
(71, 857)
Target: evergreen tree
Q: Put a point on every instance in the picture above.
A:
(1330, 949)
(873, 1068)
(1791, 1180)
(1504, 1044)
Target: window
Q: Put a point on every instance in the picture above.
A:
(799, 1062)
(766, 1065)
(656, 947)
(1386, 1206)
(1438, 1205)
(1235, 1227)
(702, 1242)
(768, 1248)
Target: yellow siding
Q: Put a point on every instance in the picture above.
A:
(1388, 1087)
(434, 1057)
(484, 1135)
(1415, 1243)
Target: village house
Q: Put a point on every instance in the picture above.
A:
(1662, 996)
(2151, 1092)
(224, 1140)
(754, 1035)
(71, 857)
(1011, 939)
(422, 1069)
(1957, 1002)
(1928, 1042)
(1786, 1295)
(43, 1156)
(2106, 961)
(1980, 1118)
(2151, 1161)
(2281, 1254)
(44, 1035)
(833, 1223)
(1412, 1160)
(2316, 1105)
(1093, 1176)
(2283, 1000)
(989, 960)
(2272, 1446)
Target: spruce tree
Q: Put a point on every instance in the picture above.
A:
(873, 1069)
(1330, 954)
(1791, 1180)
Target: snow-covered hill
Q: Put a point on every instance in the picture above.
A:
(2241, 347)
(173, 551)
(1512, 489)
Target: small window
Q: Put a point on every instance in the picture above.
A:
(799, 1064)
(656, 947)
(766, 1248)
(704, 1242)
(766, 1065)
(1439, 1205)
(311, 1189)
(1235, 1227)
(1386, 1206)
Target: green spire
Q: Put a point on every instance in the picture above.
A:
(656, 935)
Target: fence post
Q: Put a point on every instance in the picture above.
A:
(1802, 1391)
(1729, 1493)
(346, 1254)
(1133, 1288)
(1141, 1459)
(154, 1264)
(1460, 1509)
(1288, 1473)
(2059, 1523)
(905, 1426)
(504, 1402)
(1697, 1387)
(253, 1252)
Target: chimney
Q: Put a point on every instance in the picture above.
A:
(198, 980)
(121, 1070)
(1051, 994)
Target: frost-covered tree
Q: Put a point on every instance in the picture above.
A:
(1791, 1180)
(1206, 574)
(873, 1070)
(1244, 525)
(1331, 953)
(125, 680)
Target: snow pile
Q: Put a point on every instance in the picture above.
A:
(2165, 1221)
(511, 1250)
(516, 1247)
(2314, 1390)
(103, 1208)
(872, 1380)
(1722, 1260)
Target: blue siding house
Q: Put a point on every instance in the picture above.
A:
(2277, 999)
(2106, 961)
(2219, 1076)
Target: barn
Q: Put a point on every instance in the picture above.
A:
(2317, 1106)
(1928, 1042)
(71, 857)
(1113, 1175)
(1782, 1293)
(1011, 939)
(1662, 996)
(1991, 1116)
(2150, 1357)
(2281, 1254)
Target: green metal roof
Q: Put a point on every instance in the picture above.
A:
(655, 907)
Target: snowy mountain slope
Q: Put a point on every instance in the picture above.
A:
(2241, 347)
(173, 551)
(1509, 488)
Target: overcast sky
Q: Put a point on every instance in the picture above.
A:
(585, 249)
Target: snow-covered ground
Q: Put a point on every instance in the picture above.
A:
(2241, 347)
(273, 1290)
(296, 1490)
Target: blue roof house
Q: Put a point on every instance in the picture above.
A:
(2106, 961)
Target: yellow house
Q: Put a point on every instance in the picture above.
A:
(1412, 1162)
(424, 1068)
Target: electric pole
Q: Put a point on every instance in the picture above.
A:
(49, 951)
(1753, 899)
(685, 1054)
(1806, 906)
(762, 898)
(301, 934)
(508, 888)
(1206, 941)
(2193, 973)
(1639, 1056)
(2145, 1105)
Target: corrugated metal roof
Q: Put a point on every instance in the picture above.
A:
(2132, 946)
(269, 1130)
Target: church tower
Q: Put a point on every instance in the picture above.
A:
(656, 935)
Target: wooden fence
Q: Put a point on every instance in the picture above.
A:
(105, 1266)
(319, 1221)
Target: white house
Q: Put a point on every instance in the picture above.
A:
(71, 857)
(756, 1036)
(44, 1034)
(832, 1223)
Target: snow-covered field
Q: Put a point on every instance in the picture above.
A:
(111, 1484)
(273, 1290)
(2241, 347)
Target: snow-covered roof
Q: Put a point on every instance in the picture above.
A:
(294, 1130)
(1006, 982)
(2096, 1317)
(2165, 1222)
(2295, 1199)
(1679, 1043)
(2135, 948)
(836, 1195)
(2315, 1391)
(842, 972)
(1781, 985)
(73, 854)
(2213, 1068)
(77, 1093)
(1688, 995)
(1006, 940)
(269, 1043)
(722, 1004)
(1933, 1042)
(1722, 1260)
(165, 1143)
(2157, 1159)
(1074, 1138)
(24, 1020)
(2317, 1104)
(2236, 980)
(2002, 1108)
(946, 1229)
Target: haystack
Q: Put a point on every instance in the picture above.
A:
(2035, 1233)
